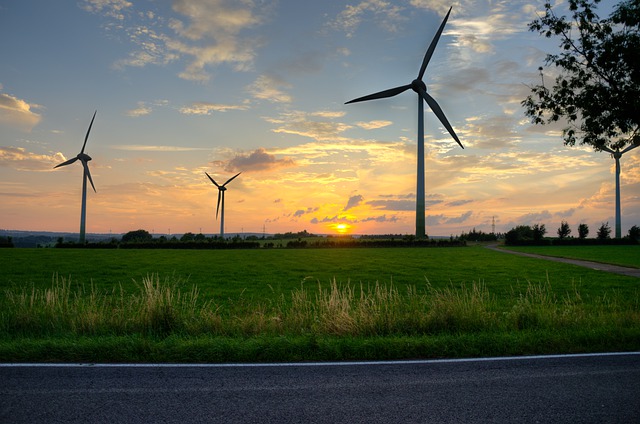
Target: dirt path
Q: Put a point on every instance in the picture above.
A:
(616, 269)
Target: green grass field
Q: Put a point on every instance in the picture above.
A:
(306, 304)
(619, 255)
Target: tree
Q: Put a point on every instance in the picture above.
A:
(597, 88)
(539, 230)
(604, 232)
(564, 230)
(187, 237)
(583, 231)
(137, 235)
(634, 233)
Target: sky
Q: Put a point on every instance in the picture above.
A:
(184, 87)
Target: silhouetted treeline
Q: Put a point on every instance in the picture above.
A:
(6, 242)
(405, 242)
(474, 235)
(525, 235)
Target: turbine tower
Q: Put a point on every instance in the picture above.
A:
(617, 154)
(84, 159)
(420, 88)
(221, 189)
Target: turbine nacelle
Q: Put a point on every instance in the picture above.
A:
(418, 86)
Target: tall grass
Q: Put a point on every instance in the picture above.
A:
(162, 307)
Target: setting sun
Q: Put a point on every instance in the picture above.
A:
(342, 228)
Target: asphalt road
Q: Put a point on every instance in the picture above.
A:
(551, 389)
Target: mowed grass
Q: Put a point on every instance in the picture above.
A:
(305, 304)
(618, 255)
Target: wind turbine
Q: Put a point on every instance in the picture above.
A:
(617, 154)
(84, 159)
(420, 88)
(221, 190)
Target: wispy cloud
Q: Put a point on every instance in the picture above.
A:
(22, 160)
(148, 148)
(111, 8)
(205, 33)
(205, 108)
(17, 113)
(387, 15)
(270, 88)
(373, 125)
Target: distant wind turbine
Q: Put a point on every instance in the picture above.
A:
(617, 154)
(420, 88)
(84, 159)
(221, 190)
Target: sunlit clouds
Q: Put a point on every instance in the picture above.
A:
(17, 113)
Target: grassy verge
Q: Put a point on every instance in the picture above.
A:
(618, 255)
(164, 322)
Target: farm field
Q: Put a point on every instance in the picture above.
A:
(618, 255)
(224, 274)
(305, 304)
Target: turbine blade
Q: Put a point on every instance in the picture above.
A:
(382, 94)
(212, 180)
(69, 162)
(86, 170)
(230, 179)
(88, 131)
(432, 46)
(440, 114)
(633, 146)
(606, 149)
(218, 207)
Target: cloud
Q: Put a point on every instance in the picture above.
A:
(386, 14)
(534, 218)
(458, 203)
(258, 160)
(393, 205)
(459, 219)
(20, 159)
(270, 88)
(205, 108)
(491, 132)
(353, 202)
(206, 32)
(300, 212)
(111, 8)
(337, 218)
(306, 125)
(403, 203)
(145, 148)
(381, 218)
(373, 125)
(17, 113)
(141, 110)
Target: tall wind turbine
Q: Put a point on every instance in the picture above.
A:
(84, 159)
(420, 88)
(221, 189)
(617, 154)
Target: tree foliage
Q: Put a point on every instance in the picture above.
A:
(583, 231)
(564, 230)
(597, 87)
(604, 232)
(137, 236)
